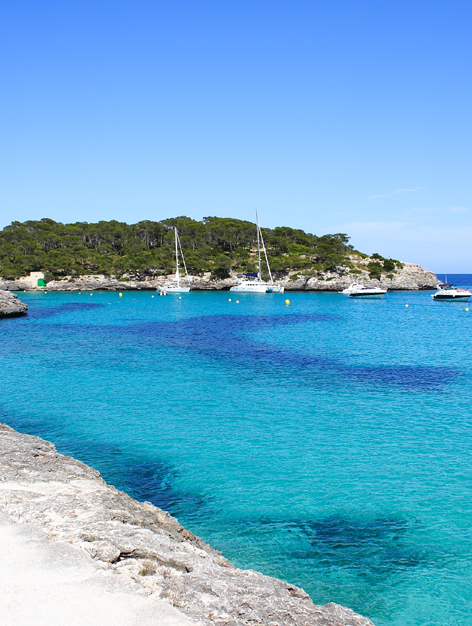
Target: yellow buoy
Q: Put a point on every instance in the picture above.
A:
(180, 297)
(406, 305)
(229, 299)
(91, 294)
(237, 301)
(287, 301)
(120, 294)
(152, 296)
(467, 309)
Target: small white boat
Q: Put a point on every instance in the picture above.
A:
(175, 286)
(352, 287)
(258, 285)
(367, 292)
(451, 293)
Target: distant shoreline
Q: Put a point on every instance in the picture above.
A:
(193, 290)
(410, 277)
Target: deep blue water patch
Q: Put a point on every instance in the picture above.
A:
(224, 337)
(40, 311)
(152, 481)
(412, 377)
(374, 547)
(370, 547)
(144, 479)
(229, 338)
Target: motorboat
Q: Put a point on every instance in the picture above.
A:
(257, 285)
(175, 285)
(363, 291)
(451, 293)
(352, 287)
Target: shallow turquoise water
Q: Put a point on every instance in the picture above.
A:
(327, 442)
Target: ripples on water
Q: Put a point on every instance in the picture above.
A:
(326, 442)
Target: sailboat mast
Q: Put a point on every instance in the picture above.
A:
(182, 255)
(177, 273)
(266, 257)
(259, 274)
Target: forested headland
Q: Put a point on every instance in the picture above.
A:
(217, 245)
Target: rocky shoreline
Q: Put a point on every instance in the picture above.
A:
(410, 277)
(143, 545)
(10, 306)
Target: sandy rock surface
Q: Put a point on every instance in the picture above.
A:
(10, 306)
(142, 546)
(52, 584)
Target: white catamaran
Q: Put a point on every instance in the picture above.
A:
(175, 286)
(258, 285)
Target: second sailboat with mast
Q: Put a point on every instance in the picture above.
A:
(258, 285)
(176, 286)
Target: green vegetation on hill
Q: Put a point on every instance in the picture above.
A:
(215, 244)
(380, 265)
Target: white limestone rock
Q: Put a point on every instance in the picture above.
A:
(10, 306)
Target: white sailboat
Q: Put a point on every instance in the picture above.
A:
(258, 285)
(175, 286)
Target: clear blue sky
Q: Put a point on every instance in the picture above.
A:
(341, 116)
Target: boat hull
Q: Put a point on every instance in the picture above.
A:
(367, 296)
(444, 298)
(173, 288)
(376, 297)
(250, 287)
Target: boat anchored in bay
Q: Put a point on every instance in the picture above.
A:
(175, 286)
(451, 293)
(352, 287)
(258, 285)
(361, 291)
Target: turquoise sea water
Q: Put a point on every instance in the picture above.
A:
(327, 442)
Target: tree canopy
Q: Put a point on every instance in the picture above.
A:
(217, 245)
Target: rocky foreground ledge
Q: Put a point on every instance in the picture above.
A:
(10, 306)
(143, 545)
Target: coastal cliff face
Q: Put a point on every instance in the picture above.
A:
(409, 277)
(10, 306)
(138, 542)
